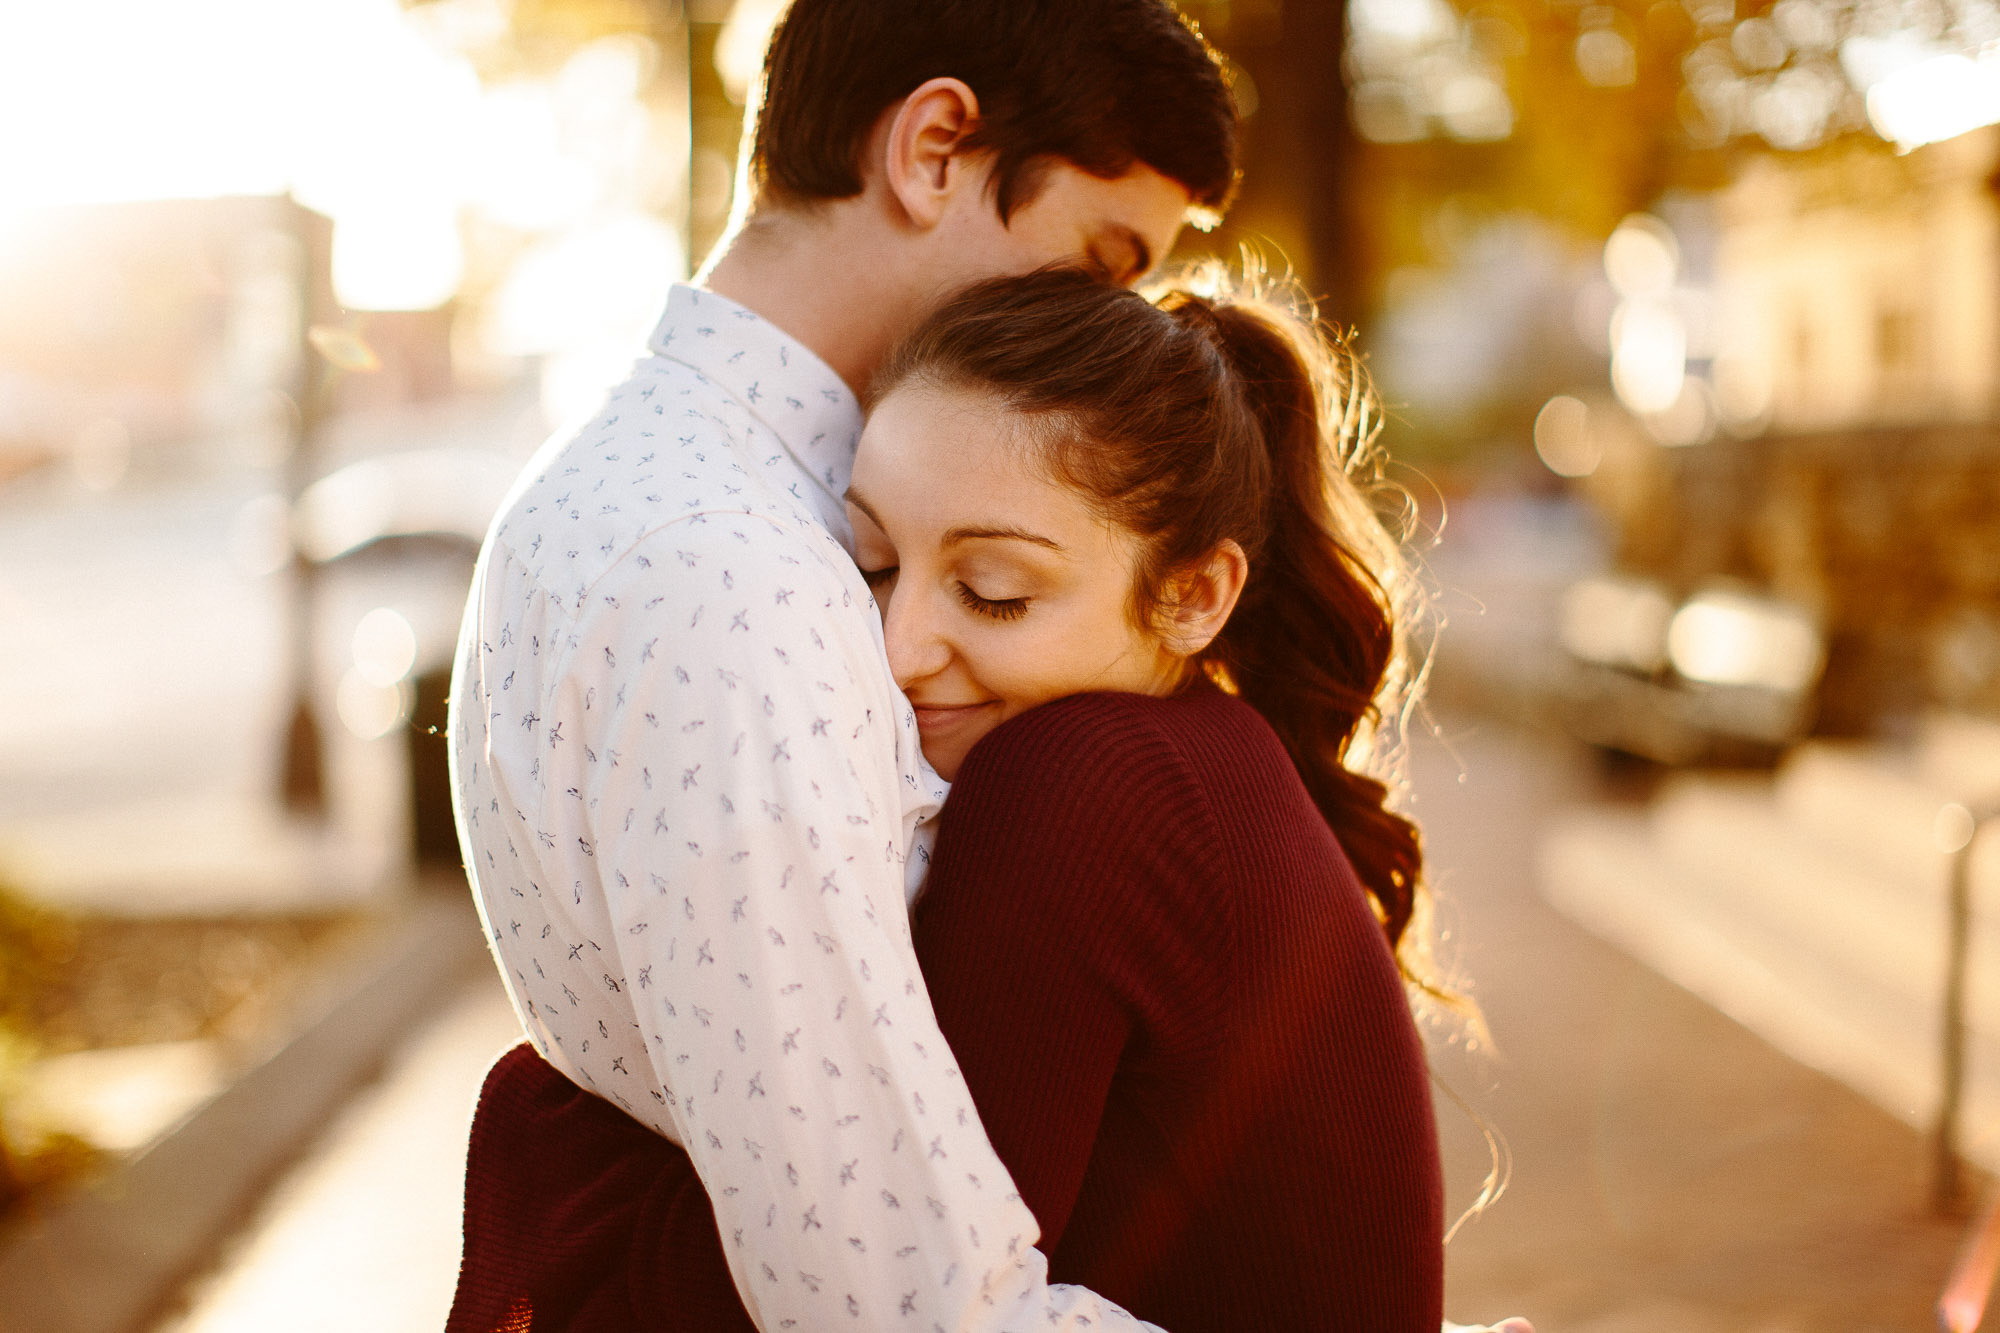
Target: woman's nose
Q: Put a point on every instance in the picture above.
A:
(911, 635)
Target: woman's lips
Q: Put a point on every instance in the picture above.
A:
(941, 719)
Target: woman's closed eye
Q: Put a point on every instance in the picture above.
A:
(996, 608)
(877, 579)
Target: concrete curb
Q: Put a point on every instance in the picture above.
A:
(105, 1256)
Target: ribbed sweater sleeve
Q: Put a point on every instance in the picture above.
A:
(580, 1219)
(1062, 920)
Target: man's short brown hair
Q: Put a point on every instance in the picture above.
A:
(1103, 84)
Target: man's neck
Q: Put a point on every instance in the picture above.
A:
(819, 280)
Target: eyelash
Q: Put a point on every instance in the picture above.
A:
(1003, 608)
(996, 608)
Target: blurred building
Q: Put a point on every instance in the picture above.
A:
(169, 337)
(1848, 459)
(155, 335)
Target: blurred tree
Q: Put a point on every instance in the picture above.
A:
(1365, 120)
(1298, 206)
(1590, 131)
(1472, 118)
(1584, 112)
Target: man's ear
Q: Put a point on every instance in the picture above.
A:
(922, 164)
(1200, 600)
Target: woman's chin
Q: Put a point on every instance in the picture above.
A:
(946, 755)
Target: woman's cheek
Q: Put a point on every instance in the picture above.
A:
(947, 758)
(1034, 669)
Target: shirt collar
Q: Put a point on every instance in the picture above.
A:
(774, 375)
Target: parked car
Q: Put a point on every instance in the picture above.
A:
(1729, 672)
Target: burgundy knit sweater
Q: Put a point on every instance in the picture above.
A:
(1177, 1016)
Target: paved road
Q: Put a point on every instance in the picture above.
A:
(1671, 1172)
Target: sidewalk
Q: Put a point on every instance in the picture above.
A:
(1671, 1171)
(363, 1233)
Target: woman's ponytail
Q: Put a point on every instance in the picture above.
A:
(1314, 644)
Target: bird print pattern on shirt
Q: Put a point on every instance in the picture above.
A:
(692, 806)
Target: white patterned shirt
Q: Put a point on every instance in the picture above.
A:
(691, 801)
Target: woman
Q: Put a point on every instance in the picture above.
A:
(1143, 618)
(1160, 920)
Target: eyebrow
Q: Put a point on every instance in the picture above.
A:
(853, 497)
(964, 533)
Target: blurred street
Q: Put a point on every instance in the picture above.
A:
(82, 577)
(1685, 321)
(148, 680)
(1671, 1171)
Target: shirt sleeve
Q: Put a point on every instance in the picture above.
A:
(726, 723)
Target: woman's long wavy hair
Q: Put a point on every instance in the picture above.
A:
(1190, 419)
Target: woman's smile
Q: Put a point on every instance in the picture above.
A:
(940, 722)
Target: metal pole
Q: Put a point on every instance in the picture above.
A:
(1947, 1181)
(302, 767)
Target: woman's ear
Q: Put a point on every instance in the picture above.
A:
(1201, 599)
(922, 162)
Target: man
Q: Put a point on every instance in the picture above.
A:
(690, 796)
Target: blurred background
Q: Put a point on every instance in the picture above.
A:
(1686, 314)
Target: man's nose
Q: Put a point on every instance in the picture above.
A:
(911, 633)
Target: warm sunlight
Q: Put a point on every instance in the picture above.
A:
(343, 103)
(349, 104)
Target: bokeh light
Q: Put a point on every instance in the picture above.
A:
(1648, 355)
(1642, 258)
(1689, 419)
(1563, 439)
(1725, 637)
(1421, 69)
(1936, 98)
(1605, 58)
(384, 647)
(1617, 621)
(739, 48)
(1954, 828)
(1648, 335)
(369, 711)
